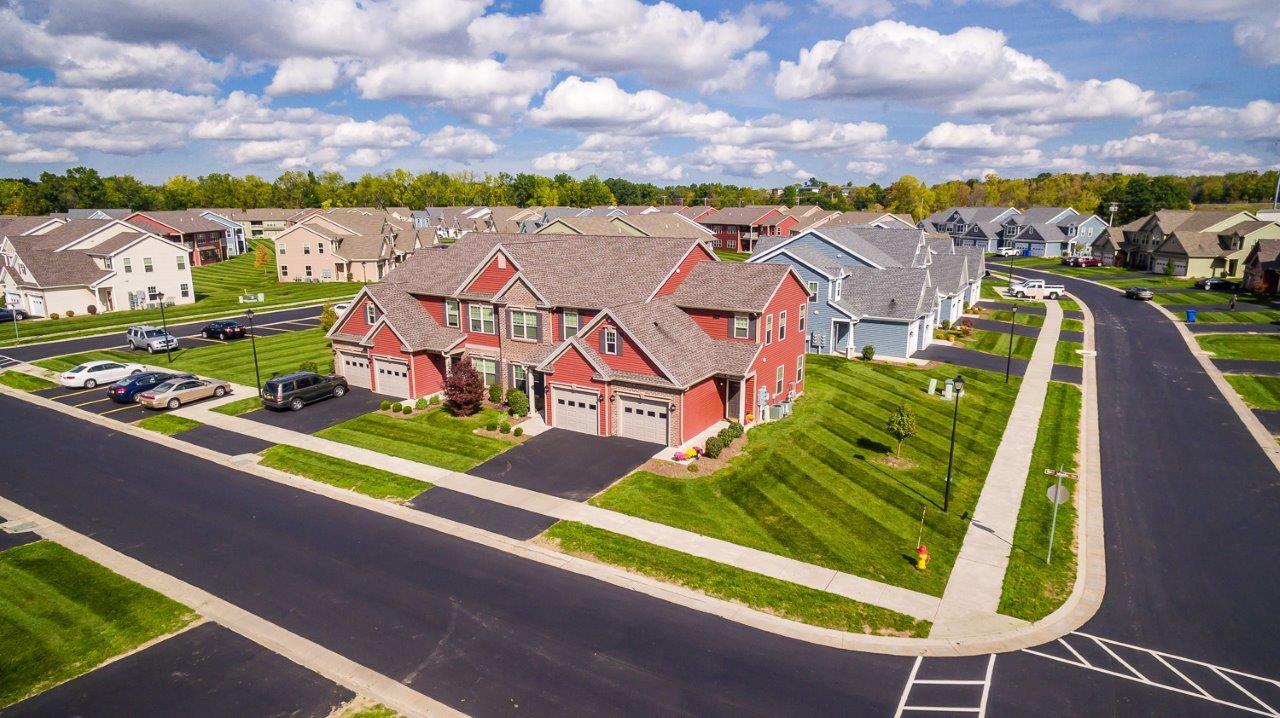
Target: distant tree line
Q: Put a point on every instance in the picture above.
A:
(1134, 195)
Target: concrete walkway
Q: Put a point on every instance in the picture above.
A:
(972, 595)
(912, 603)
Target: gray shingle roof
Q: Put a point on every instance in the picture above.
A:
(184, 220)
(893, 293)
(949, 272)
(679, 345)
(61, 269)
(742, 216)
(412, 321)
(729, 286)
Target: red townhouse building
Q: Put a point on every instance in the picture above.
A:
(205, 239)
(737, 229)
(655, 340)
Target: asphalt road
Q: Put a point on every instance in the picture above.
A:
(115, 339)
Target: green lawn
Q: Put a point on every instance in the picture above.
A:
(1032, 588)
(1066, 352)
(1242, 346)
(727, 256)
(1173, 298)
(345, 474)
(239, 406)
(1266, 316)
(782, 598)
(1072, 325)
(435, 437)
(377, 710)
(217, 290)
(815, 486)
(25, 382)
(998, 343)
(1026, 319)
(1069, 305)
(1153, 281)
(62, 614)
(168, 424)
(1259, 392)
(232, 361)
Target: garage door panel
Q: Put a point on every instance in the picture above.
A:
(644, 419)
(355, 369)
(392, 378)
(576, 410)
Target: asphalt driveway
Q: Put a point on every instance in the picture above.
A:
(567, 464)
(322, 414)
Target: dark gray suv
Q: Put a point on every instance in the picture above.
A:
(294, 391)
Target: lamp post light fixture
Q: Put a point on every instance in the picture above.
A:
(958, 387)
(1008, 362)
(164, 325)
(253, 342)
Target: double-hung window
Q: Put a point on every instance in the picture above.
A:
(572, 322)
(813, 289)
(799, 368)
(184, 290)
(782, 325)
(741, 326)
(802, 317)
(306, 248)
(768, 330)
(146, 265)
(777, 384)
(609, 341)
(370, 313)
(451, 313)
(182, 262)
(524, 324)
(319, 247)
(128, 266)
(488, 370)
(481, 318)
(280, 249)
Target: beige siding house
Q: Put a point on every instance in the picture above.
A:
(346, 245)
(1210, 244)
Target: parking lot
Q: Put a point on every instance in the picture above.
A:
(322, 414)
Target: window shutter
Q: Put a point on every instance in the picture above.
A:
(537, 326)
(751, 327)
(731, 318)
(618, 336)
(601, 336)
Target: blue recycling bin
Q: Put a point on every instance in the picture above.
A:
(1191, 316)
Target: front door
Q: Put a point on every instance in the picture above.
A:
(840, 341)
(733, 394)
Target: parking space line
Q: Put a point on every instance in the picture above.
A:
(112, 411)
(1240, 688)
(95, 401)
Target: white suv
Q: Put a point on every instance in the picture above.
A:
(153, 339)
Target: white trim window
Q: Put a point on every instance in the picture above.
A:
(609, 341)
(370, 313)
(779, 379)
(106, 263)
(306, 248)
(307, 270)
(768, 329)
(813, 289)
(741, 326)
(128, 266)
(782, 325)
(184, 290)
(319, 247)
(146, 265)
(284, 270)
(280, 249)
(451, 313)
(480, 318)
(839, 288)
(571, 323)
(524, 325)
(802, 318)
(799, 368)
(488, 369)
(182, 262)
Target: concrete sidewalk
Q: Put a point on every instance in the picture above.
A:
(912, 603)
(972, 595)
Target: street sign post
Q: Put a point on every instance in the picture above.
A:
(1058, 496)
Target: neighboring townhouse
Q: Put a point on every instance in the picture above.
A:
(590, 224)
(1263, 266)
(1221, 253)
(656, 341)
(626, 210)
(885, 220)
(259, 223)
(1150, 232)
(346, 244)
(693, 212)
(1106, 246)
(92, 213)
(873, 286)
(955, 222)
(205, 239)
(235, 239)
(655, 224)
(737, 229)
(87, 266)
(1051, 231)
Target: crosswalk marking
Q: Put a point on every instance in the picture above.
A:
(980, 710)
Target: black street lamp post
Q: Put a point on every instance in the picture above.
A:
(164, 325)
(1008, 361)
(958, 387)
(253, 342)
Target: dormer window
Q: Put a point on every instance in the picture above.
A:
(370, 313)
(609, 341)
(741, 326)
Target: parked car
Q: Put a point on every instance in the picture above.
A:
(176, 392)
(91, 374)
(1036, 288)
(1216, 283)
(153, 339)
(1141, 293)
(12, 315)
(1088, 262)
(341, 307)
(1008, 251)
(222, 329)
(126, 390)
(1069, 261)
(294, 391)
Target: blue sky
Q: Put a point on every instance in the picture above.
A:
(764, 93)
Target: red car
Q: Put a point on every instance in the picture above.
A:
(1089, 262)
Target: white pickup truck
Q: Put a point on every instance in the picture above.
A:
(1036, 289)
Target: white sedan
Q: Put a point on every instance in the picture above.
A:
(95, 373)
(341, 308)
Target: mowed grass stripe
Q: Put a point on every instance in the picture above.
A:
(435, 437)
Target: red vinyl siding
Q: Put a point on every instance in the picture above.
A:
(492, 278)
(584, 318)
(573, 370)
(716, 324)
(703, 406)
(631, 359)
(434, 307)
(387, 344)
(153, 226)
(355, 323)
(426, 374)
(788, 297)
(480, 338)
(695, 255)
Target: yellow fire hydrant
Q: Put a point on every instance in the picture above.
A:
(922, 557)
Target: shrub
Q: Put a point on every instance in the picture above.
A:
(435, 399)
(518, 431)
(504, 427)
(868, 352)
(421, 403)
(517, 403)
(328, 317)
(736, 428)
(946, 324)
(464, 388)
(53, 315)
(495, 394)
(71, 313)
(92, 308)
(396, 407)
(407, 409)
(384, 405)
(693, 468)
(308, 366)
(491, 426)
(725, 435)
(714, 446)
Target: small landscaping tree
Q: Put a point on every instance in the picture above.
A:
(421, 403)
(307, 366)
(328, 317)
(902, 425)
(464, 389)
(495, 394)
(517, 403)
(261, 255)
(868, 352)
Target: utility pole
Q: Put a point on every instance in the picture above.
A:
(1115, 206)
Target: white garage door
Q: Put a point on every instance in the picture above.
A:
(392, 378)
(355, 368)
(576, 410)
(644, 420)
(37, 304)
